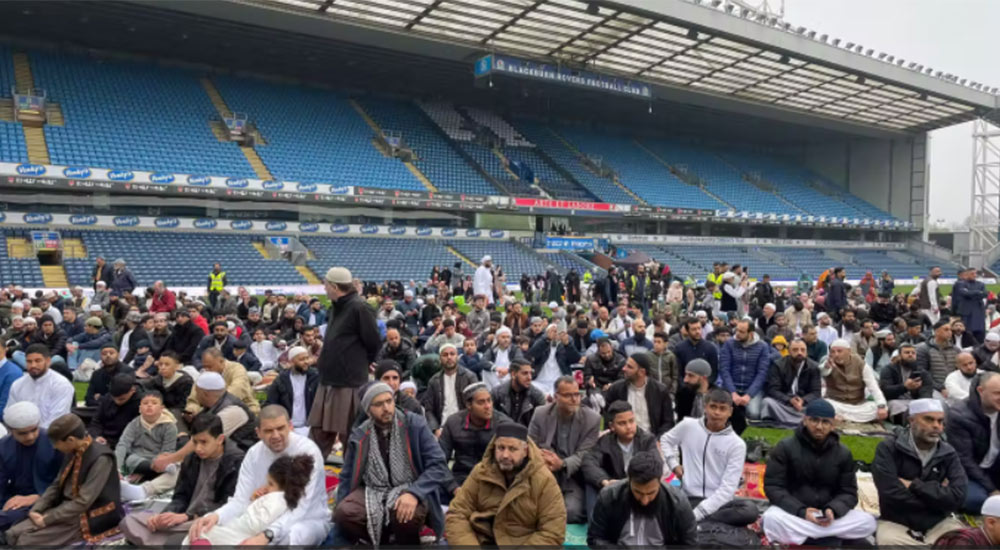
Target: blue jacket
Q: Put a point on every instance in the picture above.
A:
(72, 329)
(743, 368)
(46, 461)
(472, 362)
(426, 458)
(967, 302)
(92, 341)
(208, 342)
(686, 352)
(9, 372)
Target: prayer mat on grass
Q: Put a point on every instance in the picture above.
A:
(576, 534)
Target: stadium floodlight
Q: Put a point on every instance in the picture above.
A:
(889, 59)
(993, 91)
(729, 8)
(900, 62)
(911, 65)
(881, 55)
(811, 34)
(929, 70)
(859, 48)
(800, 30)
(850, 46)
(938, 74)
(869, 52)
(962, 82)
(786, 25)
(716, 3)
(836, 42)
(823, 37)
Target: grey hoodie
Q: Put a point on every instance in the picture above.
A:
(141, 442)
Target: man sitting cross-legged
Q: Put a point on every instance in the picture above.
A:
(393, 471)
(811, 484)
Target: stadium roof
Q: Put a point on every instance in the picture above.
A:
(681, 45)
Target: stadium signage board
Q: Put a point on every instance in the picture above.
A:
(306, 187)
(199, 180)
(340, 228)
(339, 190)
(31, 169)
(83, 219)
(472, 232)
(237, 183)
(369, 229)
(37, 218)
(162, 179)
(497, 233)
(548, 72)
(77, 172)
(239, 225)
(273, 185)
(121, 175)
(167, 223)
(208, 223)
(308, 227)
(397, 230)
(126, 221)
(276, 226)
(449, 232)
(423, 231)
(569, 243)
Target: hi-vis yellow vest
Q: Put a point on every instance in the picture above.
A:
(217, 279)
(717, 279)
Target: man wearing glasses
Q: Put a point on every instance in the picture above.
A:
(811, 484)
(565, 431)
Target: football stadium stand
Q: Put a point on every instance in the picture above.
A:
(18, 270)
(174, 258)
(398, 259)
(132, 116)
(313, 135)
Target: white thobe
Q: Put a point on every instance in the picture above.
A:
(50, 392)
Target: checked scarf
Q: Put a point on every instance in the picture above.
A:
(382, 487)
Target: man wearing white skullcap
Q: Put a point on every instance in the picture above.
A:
(920, 480)
(985, 536)
(28, 462)
(849, 380)
(483, 281)
(497, 360)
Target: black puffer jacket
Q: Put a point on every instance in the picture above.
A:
(968, 431)
(223, 486)
(926, 501)
(405, 356)
(504, 402)
(603, 372)
(352, 340)
(801, 474)
(282, 393)
(891, 382)
(611, 515)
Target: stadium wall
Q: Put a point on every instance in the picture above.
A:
(887, 173)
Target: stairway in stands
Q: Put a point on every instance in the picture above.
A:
(19, 247)
(309, 275)
(74, 248)
(34, 136)
(218, 129)
(54, 276)
(417, 173)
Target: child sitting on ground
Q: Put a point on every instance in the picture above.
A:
(286, 484)
(471, 359)
(147, 436)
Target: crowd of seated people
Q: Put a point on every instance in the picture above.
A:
(481, 424)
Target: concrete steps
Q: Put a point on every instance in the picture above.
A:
(24, 80)
(74, 248)
(34, 141)
(310, 277)
(460, 256)
(19, 247)
(256, 163)
(417, 173)
(54, 276)
(259, 247)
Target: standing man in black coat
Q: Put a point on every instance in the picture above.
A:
(811, 485)
(351, 343)
(642, 499)
(102, 272)
(836, 296)
(974, 436)
(920, 480)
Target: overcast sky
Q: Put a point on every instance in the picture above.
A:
(950, 35)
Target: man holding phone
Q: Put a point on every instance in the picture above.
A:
(810, 482)
(902, 381)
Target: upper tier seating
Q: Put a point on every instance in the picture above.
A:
(602, 188)
(499, 126)
(445, 115)
(314, 136)
(643, 174)
(12, 147)
(379, 258)
(439, 160)
(132, 116)
(180, 259)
